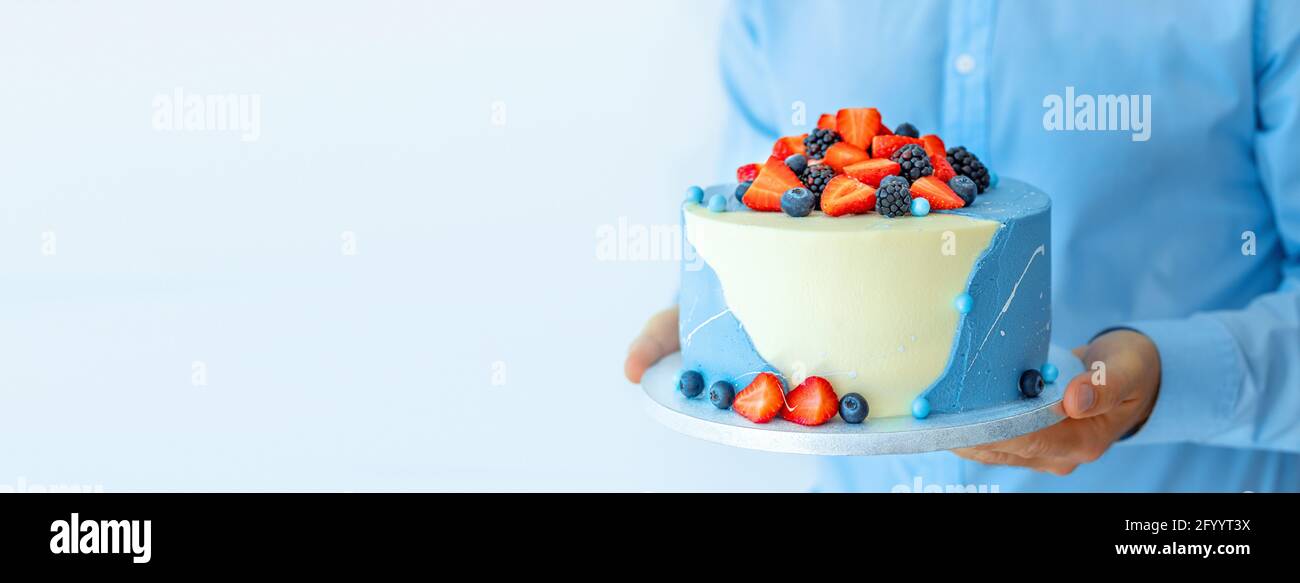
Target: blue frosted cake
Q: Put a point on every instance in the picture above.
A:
(915, 295)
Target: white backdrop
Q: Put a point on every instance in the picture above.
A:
(395, 286)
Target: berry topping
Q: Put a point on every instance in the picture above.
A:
(921, 408)
(872, 171)
(761, 400)
(816, 177)
(740, 190)
(788, 146)
(818, 141)
(857, 126)
(893, 198)
(906, 129)
(846, 196)
(695, 194)
(1031, 383)
(942, 170)
(826, 122)
(798, 202)
(853, 408)
(933, 145)
(798, 163)
(964, 187)
(913, 162)
(747, 173)
(717, 203)
(811, 403)
(842, 154)
(772, 182)
(690, 383)
(885, 146)
(966, 164)
(941, 197)
(721, 394)
(920, 207)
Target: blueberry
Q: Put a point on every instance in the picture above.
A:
(721, 394)
(695, 194)
(963, 303)
(798, 163)
(797, 202)
(1031, 383)
(1050, 372)
(920, 207)
(907, 129)
(691, 383)
(964, 187)
(921, 408)
(717, 203)
(853, 408)
(742, 189)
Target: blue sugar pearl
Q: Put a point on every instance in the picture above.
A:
(921, 408)
(695, 194)
(993, 179)
(964, 303)
(717, 203)
(1050, 372)
(920, 207)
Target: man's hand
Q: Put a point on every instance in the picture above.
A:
(657, 340)
(1098, 414)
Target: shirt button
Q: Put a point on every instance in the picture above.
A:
(964, 64)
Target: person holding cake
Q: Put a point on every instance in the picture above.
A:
(1164, 136)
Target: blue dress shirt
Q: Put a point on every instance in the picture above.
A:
(1189, 233)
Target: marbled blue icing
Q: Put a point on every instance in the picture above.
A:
(718, 346)
(1019, 340)
(992, 348)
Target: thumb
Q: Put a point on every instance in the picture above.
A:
(1106, 381)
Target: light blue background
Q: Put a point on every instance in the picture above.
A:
(476, 244)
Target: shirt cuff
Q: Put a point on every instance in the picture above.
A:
(1200, 378)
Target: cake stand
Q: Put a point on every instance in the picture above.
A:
(698, 418)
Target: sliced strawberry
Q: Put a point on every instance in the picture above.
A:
(885, 146)
(844, 195)
(872, 171)
(761, 400)
(826, 122)
(788, 146)
(933, 145)
(942, 169)
(747, 173)
(773, 180)
(841, 155)
(811, 403)
(932, 189)
(857, 126)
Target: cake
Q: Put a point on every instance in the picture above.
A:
(864, 273)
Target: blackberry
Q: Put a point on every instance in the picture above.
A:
(907, 129)
(913, 161)
(893, 198)
(816, 177)
(818, 141)
(966, 164)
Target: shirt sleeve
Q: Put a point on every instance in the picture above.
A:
(752, 112)
(1232, 378)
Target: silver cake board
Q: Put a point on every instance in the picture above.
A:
(698, 418)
